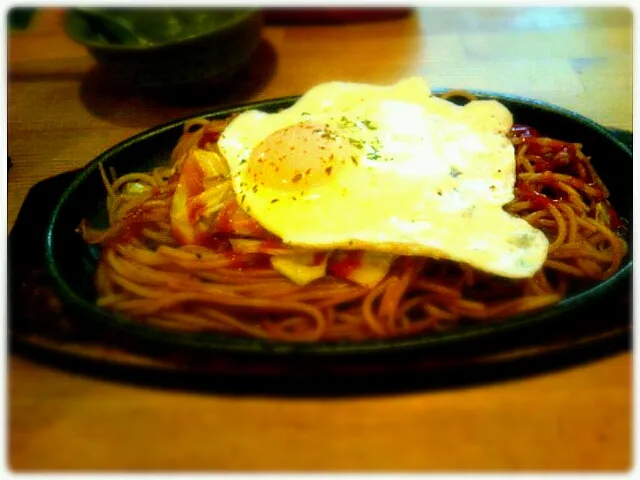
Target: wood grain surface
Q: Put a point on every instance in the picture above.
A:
(62, 113)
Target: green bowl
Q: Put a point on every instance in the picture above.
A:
(179, 47)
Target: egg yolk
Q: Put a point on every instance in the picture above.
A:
(300, 156)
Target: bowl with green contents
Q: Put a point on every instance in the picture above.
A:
(165, 47)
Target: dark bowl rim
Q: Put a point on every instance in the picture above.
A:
(247, 13)
(245, 345)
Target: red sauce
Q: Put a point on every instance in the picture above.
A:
(580, 185)
(614, 220)
(542, 166)
(232, 219)
(538, 200)
(576, 183)
(223, 219)
(214, 242)
(405, 262)
(129, 232)
(133, 223)
(193, 177)
(208, 137)
(549, 147)
(343, 263)
(555, 163)
(173, 179)
(318, 258)
(237, 259)
(195, 210)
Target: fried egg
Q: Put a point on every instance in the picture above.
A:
(389, 169)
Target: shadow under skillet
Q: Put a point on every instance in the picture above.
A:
(120, 103)
(321, 385)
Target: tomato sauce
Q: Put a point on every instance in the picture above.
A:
(222, 222)
(232, 219)
(193, 177)
(343, 264)
(208, 136)
(195, 210)
(615, 223)
(538, 200)
(318, 258)
(133, 222)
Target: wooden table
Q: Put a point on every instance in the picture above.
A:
(61, 116)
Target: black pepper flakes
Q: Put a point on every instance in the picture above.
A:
(296, 178)
(328, 170)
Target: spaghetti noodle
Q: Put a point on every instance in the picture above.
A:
(145, 274)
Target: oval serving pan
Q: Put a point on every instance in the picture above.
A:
(71, 263)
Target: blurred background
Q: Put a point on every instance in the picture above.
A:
(202, 57)
(82, 79)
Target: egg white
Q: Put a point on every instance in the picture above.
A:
(403, 172)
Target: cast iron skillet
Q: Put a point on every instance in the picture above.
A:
(71, 263)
